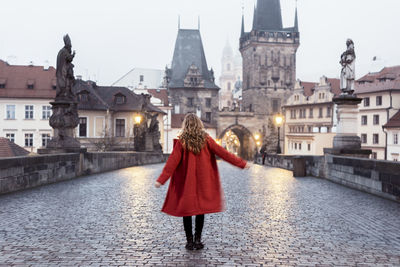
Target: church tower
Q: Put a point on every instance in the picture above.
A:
(231, 72)
(269, 59)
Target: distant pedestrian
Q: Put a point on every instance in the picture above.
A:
(195, 187)
(263, 152)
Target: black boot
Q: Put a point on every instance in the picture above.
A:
(187, 224)
(197, 241)
(199, 229)
(189, 244)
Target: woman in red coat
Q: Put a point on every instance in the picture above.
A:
(195, 187)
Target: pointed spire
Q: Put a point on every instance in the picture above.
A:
(242, 30)
(179, 22)
(255, 18)
(198, 22)
(296, 21)
(268, 15)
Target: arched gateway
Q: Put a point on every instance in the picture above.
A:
(244, 141)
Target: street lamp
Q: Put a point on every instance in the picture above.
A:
(278, 122)
(138, 119)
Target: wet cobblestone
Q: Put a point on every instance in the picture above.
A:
(113, 219)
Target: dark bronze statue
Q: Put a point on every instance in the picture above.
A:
(65, 70)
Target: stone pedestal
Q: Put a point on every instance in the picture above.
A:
(64, 120)
(347, 142)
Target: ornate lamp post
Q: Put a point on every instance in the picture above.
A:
(278, 122)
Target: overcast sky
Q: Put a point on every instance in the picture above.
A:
(112, 37)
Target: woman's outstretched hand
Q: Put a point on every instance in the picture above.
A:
(157, 185)
(248, 165)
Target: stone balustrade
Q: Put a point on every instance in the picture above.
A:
(378, 177)
(20, 173)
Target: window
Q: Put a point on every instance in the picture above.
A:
(228, 67)
(10, 112)
(120, 99)
(376, 119)
(320, 113)
(309, 129)
(46, 112)
(2, 85)
(295, 146)
(29, 140)
(83, 97)
(395, 156)
(228, 86)
(193, 81)
(45, 139)
(299, 146)
(208, 102)
(208, 116)
(379, 100)
(374, 155)
(141, 78)
(395, 139)
(311, 113)
(176, 109)
(364, 120)
(309, 147)
(190, 102)
(120, 127)
(375, 139)
(366, 102)
(11, 137)
(363, 138)
(30, 86)
(29, 112)
(275, 105)
(328, 111)
(82, 127)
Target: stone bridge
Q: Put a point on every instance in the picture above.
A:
(271, 218)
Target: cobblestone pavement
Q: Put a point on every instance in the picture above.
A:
(271, 219)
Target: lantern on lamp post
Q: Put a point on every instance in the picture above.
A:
(278, 121)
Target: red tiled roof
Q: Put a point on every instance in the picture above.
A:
(386, 79)
(18, 77)
(308, 87)
(161, 94)
(335, 86)
(9, 149)
(394, 121)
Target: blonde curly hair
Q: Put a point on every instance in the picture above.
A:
(192, 136)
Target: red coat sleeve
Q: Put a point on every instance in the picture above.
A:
(173, 161)
(224, 154)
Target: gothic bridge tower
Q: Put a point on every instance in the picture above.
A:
(269, 59)
(269, 74)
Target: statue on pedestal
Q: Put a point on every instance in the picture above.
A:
(347, 75)
(65, 107)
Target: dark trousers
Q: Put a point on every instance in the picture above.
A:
(187, 224)
(263, 158)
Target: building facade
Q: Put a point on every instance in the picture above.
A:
(191, 85)
(25, 95)
(381, 101)
(310, 117)
(392, 131)
(106, 114)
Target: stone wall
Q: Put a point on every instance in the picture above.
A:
(378, 177)
(26, 172)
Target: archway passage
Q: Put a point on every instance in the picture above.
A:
(238, 140)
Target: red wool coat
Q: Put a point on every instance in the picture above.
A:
(195, 187)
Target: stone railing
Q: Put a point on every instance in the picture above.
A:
(378, 177)
(26, 172)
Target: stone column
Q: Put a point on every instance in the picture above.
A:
(347, 142)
